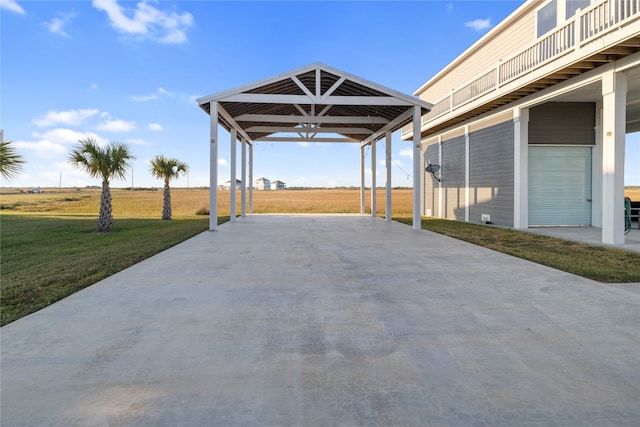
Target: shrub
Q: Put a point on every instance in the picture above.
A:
(202, 211)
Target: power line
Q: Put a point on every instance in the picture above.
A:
(403, 171)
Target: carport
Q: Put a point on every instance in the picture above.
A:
(316, 103)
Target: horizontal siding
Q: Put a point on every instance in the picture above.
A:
(430, 185)
(563, 123)
(514, 38)
(491, 174)
(453, 178)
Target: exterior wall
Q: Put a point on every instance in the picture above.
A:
(263, 184)
(278, 185)
(563, 123)
(558, 192)
(453, 178)
(482, 56)
(491, 171)
(491, 174)
(431, 186)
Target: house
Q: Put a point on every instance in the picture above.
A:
(278, 185)
(263, 184)
(227, 185)
(528, 125)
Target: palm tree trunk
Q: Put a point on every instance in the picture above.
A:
(166, 209)
(105, 220)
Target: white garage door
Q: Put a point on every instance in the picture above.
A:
(559, 186)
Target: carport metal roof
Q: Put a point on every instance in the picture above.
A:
(316, 103)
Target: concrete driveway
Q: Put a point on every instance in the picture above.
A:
(283, 320)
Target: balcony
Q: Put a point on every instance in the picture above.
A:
(568, 51)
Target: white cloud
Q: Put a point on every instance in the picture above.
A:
(145, 21)
(54, 142)
(117, 126)
(407, 152)
(223, 162)
(144, 97)
(12, 5)
(160, 92)
(68, 136)
(303, 143)
(42, 148)
(69, 117)
(156, 127)
(138, 141)
(94, 86)
(56, 25)
(479, 24)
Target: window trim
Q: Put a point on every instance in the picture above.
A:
(539, 9)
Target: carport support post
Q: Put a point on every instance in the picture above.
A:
(251, 178)
(387, 165)
(373, 178)
(243, 185)
(213, 166)
(232, 187)
(362, 179)
(614, 99)
(416, 167)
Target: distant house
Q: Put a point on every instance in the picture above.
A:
(227, 185)
(263, 184)
(278, 185)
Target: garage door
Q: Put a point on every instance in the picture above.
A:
(559, 186)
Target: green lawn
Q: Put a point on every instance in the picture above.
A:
(607, 265)
(46, 258)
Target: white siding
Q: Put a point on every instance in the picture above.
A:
(512, 39)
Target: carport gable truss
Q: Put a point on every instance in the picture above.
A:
(316, 103)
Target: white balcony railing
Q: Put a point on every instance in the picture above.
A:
(588, 24)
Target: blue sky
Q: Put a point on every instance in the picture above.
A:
(130, 71)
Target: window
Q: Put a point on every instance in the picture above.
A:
(547, 18)
(574, 5)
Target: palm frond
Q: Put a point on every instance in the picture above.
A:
(106, 162)
(167, 168)
(10, 161)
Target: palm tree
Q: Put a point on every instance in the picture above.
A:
(167, 169)
(106, 162)
(10, 161)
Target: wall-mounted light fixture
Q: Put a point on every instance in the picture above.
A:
(432, 169)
